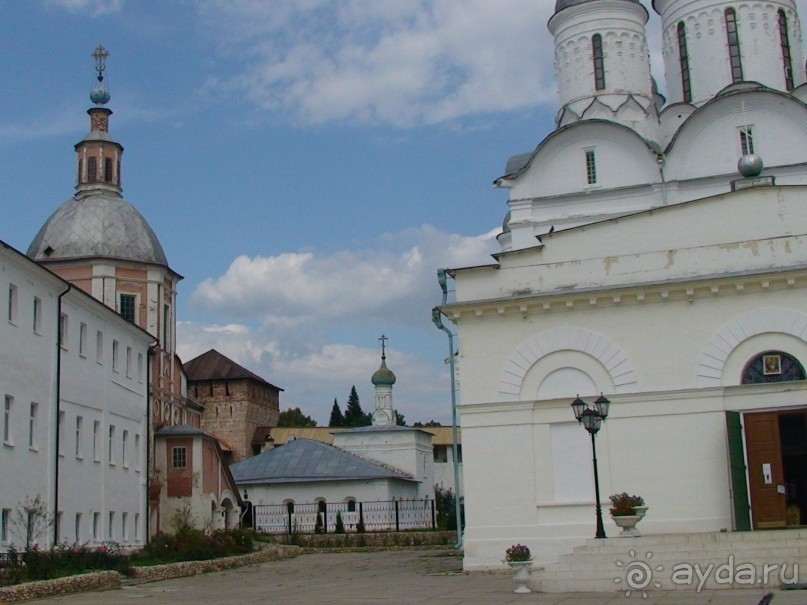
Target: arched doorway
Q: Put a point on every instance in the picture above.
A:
(776, 448)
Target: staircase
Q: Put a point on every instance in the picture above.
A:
(706, 561)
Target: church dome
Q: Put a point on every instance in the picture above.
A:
(383, 376)
(97, 225)
(561, 4)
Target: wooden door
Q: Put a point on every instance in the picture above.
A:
(765, 472)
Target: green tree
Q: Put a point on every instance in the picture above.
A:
(430, 423)
(32, 520)
(354, 415)
(399, 419)
(337, 418)
(295, 417)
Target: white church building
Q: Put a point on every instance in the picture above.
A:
(638, 263)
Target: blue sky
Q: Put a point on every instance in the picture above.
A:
(307, 164)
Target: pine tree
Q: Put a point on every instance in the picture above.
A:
(337, 418)
(354, 415)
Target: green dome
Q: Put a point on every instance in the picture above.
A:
(383, 376)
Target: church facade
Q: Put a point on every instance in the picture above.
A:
(636, 262)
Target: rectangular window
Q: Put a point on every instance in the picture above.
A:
(99, 347)
(733, 37)
(124, 517)
(599, 62)
(591, 167)
(5, 516)
(111, 526)
(79, 422)
(108, 170)
(96, 436)
(128, 362)
(82, 339)
(92, 169)
(127, 305)
(746, 140)
(166, 324)
(140, 367)
(57, 522)
(115, 355)
(137, 527)
(124, 444)
(32, 425)
(37, 315)
(179, 457)
(111, 447)
(137, 451)
(683, 58)
(7, 405)
(784, 42)
(61, 433)
(440, 453)
(12, 303)
(96, 523)
(63, 330)
(77, 528)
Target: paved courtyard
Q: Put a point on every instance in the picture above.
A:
(425, 577)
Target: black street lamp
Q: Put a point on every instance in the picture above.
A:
(591, 418)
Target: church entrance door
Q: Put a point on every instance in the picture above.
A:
(776, 445)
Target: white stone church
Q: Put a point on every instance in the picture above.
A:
(636, 261)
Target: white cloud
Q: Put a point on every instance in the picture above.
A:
(94, 8)
(386, 61)
(395, 280)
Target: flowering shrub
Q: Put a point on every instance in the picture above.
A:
(189, 544)
(61, 560)
(517, 552)
(624, 504)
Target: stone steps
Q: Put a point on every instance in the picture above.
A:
(707, 561)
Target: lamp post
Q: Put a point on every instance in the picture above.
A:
(591, 418)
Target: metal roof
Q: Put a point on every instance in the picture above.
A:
(305, 460)
(324, 434)
(97, 225)
(215, 366)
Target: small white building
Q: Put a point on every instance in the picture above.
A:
(74, 418)
(637, 263)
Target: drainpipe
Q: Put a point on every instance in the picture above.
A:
(58, 397)
(152, 348)
(437, 320)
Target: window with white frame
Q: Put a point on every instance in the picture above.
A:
(124, 518)
(8, 405)
(128, 362)
(62, 431)
(32, 424)
(99, 347)
(127, 306)
(591, 167)
(137, 527)
(12, 303)
(179, 457)
(746, 139)
(96, 438)
(77, 528)
(111, 444)
(140, 367)
(96, 526)
(82, 339)
(37, 324)
(115, 355)
(79, 423)
(5, 517)
(124, 446)
(137, 451)
(111, 526)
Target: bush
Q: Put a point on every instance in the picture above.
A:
(189, 544)
(62, 560)
(340, 525)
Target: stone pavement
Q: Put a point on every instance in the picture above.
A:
(427, 577)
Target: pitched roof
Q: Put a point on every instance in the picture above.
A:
(281, 434)
(215, 366)
(304, 460)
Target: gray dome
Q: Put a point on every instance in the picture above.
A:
(383, 376)
(97, 225)
(561, 4)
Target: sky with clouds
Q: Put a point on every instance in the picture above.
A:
(308, 165)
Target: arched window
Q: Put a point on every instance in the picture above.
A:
(599, 63)
(734, 45)
(683, 58)
(321, 506)
(351, 506)
(772, 366)
(784, 41)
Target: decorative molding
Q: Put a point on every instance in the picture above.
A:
(601, 348)
(732, 333)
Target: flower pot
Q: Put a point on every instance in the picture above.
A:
(640, 510)
(521, 575)
(628, 525)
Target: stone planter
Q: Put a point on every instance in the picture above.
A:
(521, 575)
(628, 525)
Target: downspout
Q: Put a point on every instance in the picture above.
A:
(148, 437)
(58, 397)
(436, 319)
